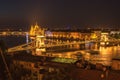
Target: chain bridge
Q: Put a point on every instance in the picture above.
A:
(39, 43)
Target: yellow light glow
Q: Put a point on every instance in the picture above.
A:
(93, 36)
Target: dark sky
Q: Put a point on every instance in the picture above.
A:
(59, 12)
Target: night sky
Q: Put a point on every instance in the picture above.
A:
(58, 13)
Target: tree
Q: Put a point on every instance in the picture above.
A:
(3, 63)
(3, 46)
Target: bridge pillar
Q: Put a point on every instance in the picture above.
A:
(39, 44)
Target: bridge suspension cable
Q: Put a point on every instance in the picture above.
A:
(22, 47)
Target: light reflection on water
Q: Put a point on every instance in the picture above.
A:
(104, 56)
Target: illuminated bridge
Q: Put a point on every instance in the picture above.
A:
(39, 43)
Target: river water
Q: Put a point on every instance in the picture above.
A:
(93, 53)
(102, 54)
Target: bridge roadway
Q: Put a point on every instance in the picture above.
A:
(29, 45)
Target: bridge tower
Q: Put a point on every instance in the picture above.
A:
(37, 34)
(104, 38)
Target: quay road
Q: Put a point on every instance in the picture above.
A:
(10, 33)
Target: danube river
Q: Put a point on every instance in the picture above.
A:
(93, 53)
(102, 55)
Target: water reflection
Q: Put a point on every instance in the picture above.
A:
(106, 54)
(94, 53)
